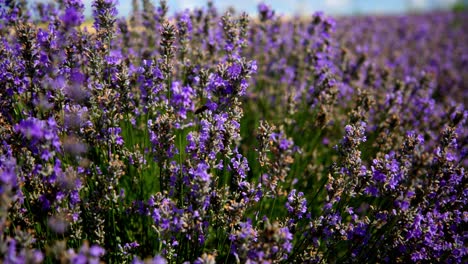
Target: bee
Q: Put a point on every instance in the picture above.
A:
(201, 109)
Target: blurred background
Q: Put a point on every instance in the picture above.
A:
(291, 7)
(304, 7)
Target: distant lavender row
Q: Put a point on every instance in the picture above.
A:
(208, 137)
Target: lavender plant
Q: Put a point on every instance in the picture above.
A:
(205, 137)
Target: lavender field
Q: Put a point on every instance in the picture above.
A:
(217, 137)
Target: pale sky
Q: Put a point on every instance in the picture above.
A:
(289, 7)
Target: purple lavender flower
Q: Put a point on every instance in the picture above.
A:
(7, 172)
(72, 17)
(296, 204)
(182, 99)
(265, 12)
